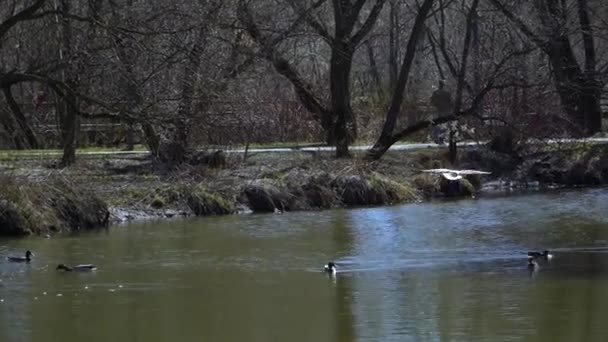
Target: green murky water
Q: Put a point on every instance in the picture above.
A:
(450, 271)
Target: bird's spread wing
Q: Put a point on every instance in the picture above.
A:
(456, 174)
(437, 170)
(473, 172)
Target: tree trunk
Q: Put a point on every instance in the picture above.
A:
(152, 139)
(581, 101)
(393, 45)
(453, 148)
(345, 129)
(580, 93)
(179, 140)
(10, 126)
(68, 126)
(27, 130)
(579, 90)
(129, 83)
(68, 115)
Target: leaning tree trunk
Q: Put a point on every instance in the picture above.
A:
(28, 132)
(386, 138)
(10, 127)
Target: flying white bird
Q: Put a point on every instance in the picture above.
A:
(456, 174)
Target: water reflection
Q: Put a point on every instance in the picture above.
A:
(479, 288)
(442, 271)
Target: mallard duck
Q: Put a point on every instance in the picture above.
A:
(27, 258)
(544, 254)
(330, 268)
(77, 268)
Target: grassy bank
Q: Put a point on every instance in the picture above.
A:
(55, 205)
(37, 199)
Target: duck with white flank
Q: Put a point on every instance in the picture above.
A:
(77, 268)
(538, 255)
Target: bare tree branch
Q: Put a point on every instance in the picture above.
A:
(369, 23)
(67, 94)
(520, 24)
(21, 16)
(420, 125)
(587, 33)
(306, 15)
(303, 89)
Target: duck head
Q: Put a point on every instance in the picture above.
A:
(330, 267)
(28, 255)
(63, 267)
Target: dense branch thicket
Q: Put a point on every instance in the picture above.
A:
(182, 75)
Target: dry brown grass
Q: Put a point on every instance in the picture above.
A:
(33, 208)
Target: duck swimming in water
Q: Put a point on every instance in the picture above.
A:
(330, 268)
(532, 265)
(77, 268)
(27, 258)
(536, 255)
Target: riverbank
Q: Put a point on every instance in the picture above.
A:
(36, 198)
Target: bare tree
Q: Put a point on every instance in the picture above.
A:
(491, 75)
(579, 87)
(337, 117)
(24, 137)
(181, 70)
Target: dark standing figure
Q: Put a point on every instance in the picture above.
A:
(442, 101)
(130, 138)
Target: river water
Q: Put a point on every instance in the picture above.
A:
(442, 271)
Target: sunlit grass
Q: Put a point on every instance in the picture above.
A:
(54, 152)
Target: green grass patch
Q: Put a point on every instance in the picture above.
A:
(395, 192)
(204, 202)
